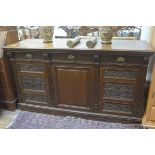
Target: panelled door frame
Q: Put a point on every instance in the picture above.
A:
(88, 68)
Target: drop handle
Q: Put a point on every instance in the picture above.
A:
(71, 58)
(28, 56)
(120, 60)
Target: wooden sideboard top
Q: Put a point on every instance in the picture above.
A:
(117, 45)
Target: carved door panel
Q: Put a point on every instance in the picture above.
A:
(34, 89)
(118, 89)
(73, 86)
(117, 97)
(33, 83)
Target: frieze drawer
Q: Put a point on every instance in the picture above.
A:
(30, 56)
(70, 58)
(121, 60)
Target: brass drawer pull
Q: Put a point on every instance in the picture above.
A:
(120, 60)
(71, 58)
(28, 56)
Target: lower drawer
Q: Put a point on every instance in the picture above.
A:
(37, 99)
(116, 108)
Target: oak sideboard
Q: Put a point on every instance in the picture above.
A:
(106, 82)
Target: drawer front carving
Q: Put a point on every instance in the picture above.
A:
(31, 68)
(116, 107)
(33, 83)
(119, 91)
(35, 98)
(120, 74)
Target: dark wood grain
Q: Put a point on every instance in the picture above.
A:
(107, 81)
(73, 86)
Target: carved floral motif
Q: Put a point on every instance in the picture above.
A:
(40, 98)
(120, 74)
(31, 68)
(117, 107)
(119, 91)
(33, 83)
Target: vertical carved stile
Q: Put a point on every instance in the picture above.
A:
(14, 73)
(96, 89)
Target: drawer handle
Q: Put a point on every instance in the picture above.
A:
(71, 58)
(120, 60)
(28, 56)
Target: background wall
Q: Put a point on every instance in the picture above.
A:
(146, 33)
(153, 37)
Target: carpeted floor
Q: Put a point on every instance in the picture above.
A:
(31, 120)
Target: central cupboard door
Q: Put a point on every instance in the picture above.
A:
(73, 86)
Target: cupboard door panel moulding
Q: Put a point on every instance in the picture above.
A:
(73, 86)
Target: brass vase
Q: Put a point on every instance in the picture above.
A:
(46, 33)
(106, 35)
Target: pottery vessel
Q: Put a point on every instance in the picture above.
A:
(106, 35)
(46, 33)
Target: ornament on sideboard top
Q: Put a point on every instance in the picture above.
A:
(106, 34)
(46, 33)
